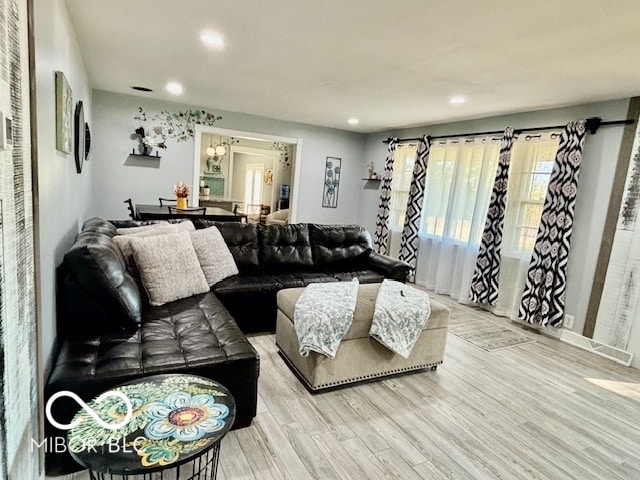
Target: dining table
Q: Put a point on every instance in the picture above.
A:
(157, 212)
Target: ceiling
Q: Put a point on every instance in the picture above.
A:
(389, 63)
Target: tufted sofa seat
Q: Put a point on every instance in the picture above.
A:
(194, 335)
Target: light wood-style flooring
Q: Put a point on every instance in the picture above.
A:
(544, 410)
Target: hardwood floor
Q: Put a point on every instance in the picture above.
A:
(543, 410)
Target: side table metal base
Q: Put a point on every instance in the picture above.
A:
(204, 467)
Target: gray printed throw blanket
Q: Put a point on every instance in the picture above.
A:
(400, 315)
(323, 314)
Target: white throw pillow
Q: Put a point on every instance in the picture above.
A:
(213, 254)
(169, 267)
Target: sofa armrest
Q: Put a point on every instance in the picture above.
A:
(390, 267)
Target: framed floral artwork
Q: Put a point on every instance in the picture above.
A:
(331, 182)
(64, 114)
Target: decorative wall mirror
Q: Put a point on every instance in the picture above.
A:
(80, 137)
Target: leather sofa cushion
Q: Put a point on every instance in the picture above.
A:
(363, 276)
(195, 335)
(242, 240)
(302, 279)
(285, 247)
(339, 244)
(98, 225)
(259, 283)
(97, 268)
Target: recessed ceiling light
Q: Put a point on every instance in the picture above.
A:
(353, 121)
(174, 88)
(457, 100)
(142, 89)
(212, 40)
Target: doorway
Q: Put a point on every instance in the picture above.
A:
(222, 179)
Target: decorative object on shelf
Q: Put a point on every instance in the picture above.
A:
(284, 154)
(268, 177)
(331, 182)
(178, 125)
(64, 113)
(147, 142)
(79, 137)
(181, 190)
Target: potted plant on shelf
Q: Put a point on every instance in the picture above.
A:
(181, 191)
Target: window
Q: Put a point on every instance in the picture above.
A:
(404, 160)
(460, 178)
(532, 159)
(253, 184)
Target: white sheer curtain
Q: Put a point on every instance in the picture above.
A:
(532, 161)
(458, 189)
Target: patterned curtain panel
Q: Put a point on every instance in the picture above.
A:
(484, 285)
(381, 235)
(409, 240)
(544, 294)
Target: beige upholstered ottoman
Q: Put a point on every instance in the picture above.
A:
(359, 356)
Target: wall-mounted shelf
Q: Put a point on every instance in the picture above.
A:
(134, 154)
(145, 156)
(372, 179)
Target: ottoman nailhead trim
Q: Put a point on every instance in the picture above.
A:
(355, 379)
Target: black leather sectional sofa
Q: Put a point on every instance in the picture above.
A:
(107, 335)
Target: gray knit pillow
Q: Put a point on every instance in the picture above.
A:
(213, 254)
(169, 267)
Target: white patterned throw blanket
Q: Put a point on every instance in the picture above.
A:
(400, 315)
(323, 314)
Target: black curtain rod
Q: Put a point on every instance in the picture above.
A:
(592, 126)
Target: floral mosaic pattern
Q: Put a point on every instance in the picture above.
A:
(185, 417)
(323, 314)
(400, 315)
(170, 417)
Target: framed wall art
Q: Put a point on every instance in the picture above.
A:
(64, 114)
(331, 182)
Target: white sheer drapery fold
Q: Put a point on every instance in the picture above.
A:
(459, 184)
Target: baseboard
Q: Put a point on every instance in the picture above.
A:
(607, 351)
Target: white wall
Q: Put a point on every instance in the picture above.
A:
(114, 181)
(595, 182)
(64, 195)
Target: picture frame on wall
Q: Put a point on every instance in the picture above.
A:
(332, 168)
(64, 114)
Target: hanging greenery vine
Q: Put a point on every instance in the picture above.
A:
(179, 125)
(284, 154)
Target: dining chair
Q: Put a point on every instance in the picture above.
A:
(167, 201)
(131, 208)
(257, 213)
(186, 212)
